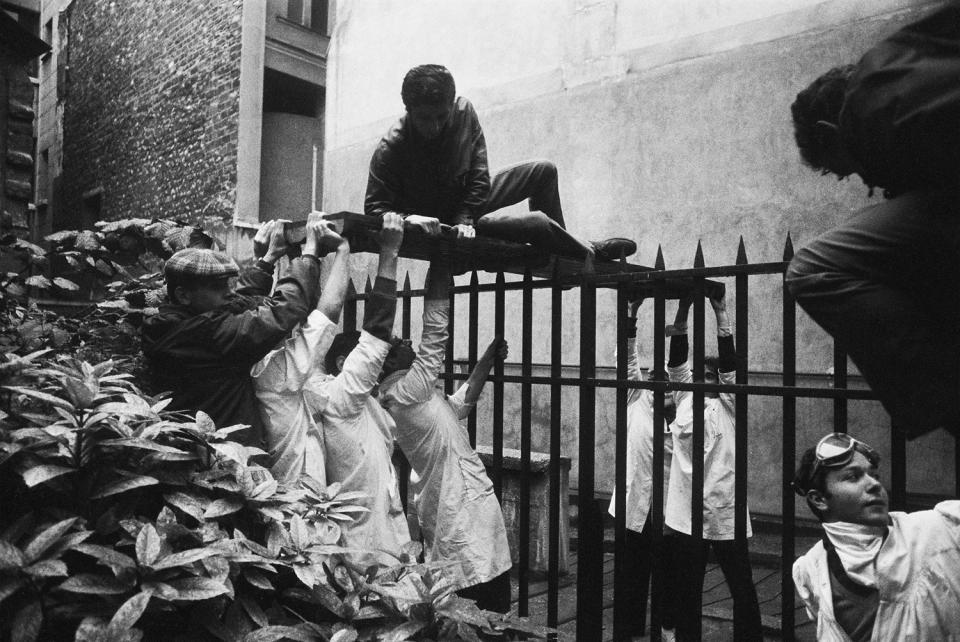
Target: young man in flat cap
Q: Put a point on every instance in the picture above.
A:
(203, 342)
(431, 168)
(876, 575)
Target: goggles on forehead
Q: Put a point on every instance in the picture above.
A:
(833, 451)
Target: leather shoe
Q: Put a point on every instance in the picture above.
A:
(612, 249)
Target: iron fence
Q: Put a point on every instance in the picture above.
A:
(657, 284)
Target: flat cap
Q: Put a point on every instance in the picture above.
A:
(194, 262)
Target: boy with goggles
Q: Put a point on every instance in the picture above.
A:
(875, 575)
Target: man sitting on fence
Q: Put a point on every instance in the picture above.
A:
(358, 435)
(431, 167)
(202, 344)
(719, 474)
(884, 283)
(875, 575)
(460, 517)
(641, 557)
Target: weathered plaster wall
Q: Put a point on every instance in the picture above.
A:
(669, 122)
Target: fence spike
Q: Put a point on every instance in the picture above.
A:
(659, 264)
(368, 286)
(698, 257)
(788, 248)
(351, 289)
(741, 253)
(406, 282)
(474, 280)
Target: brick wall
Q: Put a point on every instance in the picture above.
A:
(151, 108)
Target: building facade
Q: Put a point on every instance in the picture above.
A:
(181, 110)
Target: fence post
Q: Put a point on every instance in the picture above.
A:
(499, 308)
(589, 524)
(556, 402)
(473, 324)
(742, 434)
(620, 606)
(789, 455)
(697, 449)
(659, 399)
(350, 308)
(448, 385)
(523, 555)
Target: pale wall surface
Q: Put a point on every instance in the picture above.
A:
(669, 122)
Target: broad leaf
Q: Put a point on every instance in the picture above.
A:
(221, 507)
(257, 579)
(96, 585)
(299, 533)
(38, 281)
(403, 632)
(42, 396)
(306, 574)
(109, 557)
(11, 557)
(192, 505)
(125, 485)
(26, 623)
(127, 615)
(47, 568)
(92, 629)
(40, 474)
(66, 284)
(279, 632)
(47, 538)
(198, 588)
(160, 589)
(148, 545)
(183, 558)
(345, 635)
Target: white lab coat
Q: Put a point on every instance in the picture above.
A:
(639, 483)
(359, 445)
(294, 441)
(459, 514)
(918, 577)
(719, 460)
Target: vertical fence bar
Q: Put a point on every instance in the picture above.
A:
(697, 450)
(350, 308)
(556, 370)
(589, 523)
(400, 462)
(499, 307)
(526, 390)
(789, 455)
(620, 606)
(839, 382)
(449, 384)
(659, 399)
(474, 322)
(742, 437)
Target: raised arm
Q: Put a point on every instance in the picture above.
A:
(349, 390)
(726, 351)
(335, 289)
(417, 384)
(269, 245)
(465, 398)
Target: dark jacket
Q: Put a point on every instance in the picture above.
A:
(205, 359)
(901, 112)
(446, 178)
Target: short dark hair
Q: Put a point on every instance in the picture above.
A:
(822, 100)
(342, 345)
(428, 85)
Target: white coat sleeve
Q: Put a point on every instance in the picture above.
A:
(458, 401)
(416, 386)
(346, 394)
(288, 367)
(683, 398)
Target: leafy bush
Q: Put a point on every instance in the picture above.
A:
(121, 520)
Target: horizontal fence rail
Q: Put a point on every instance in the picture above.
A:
(590, 622)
